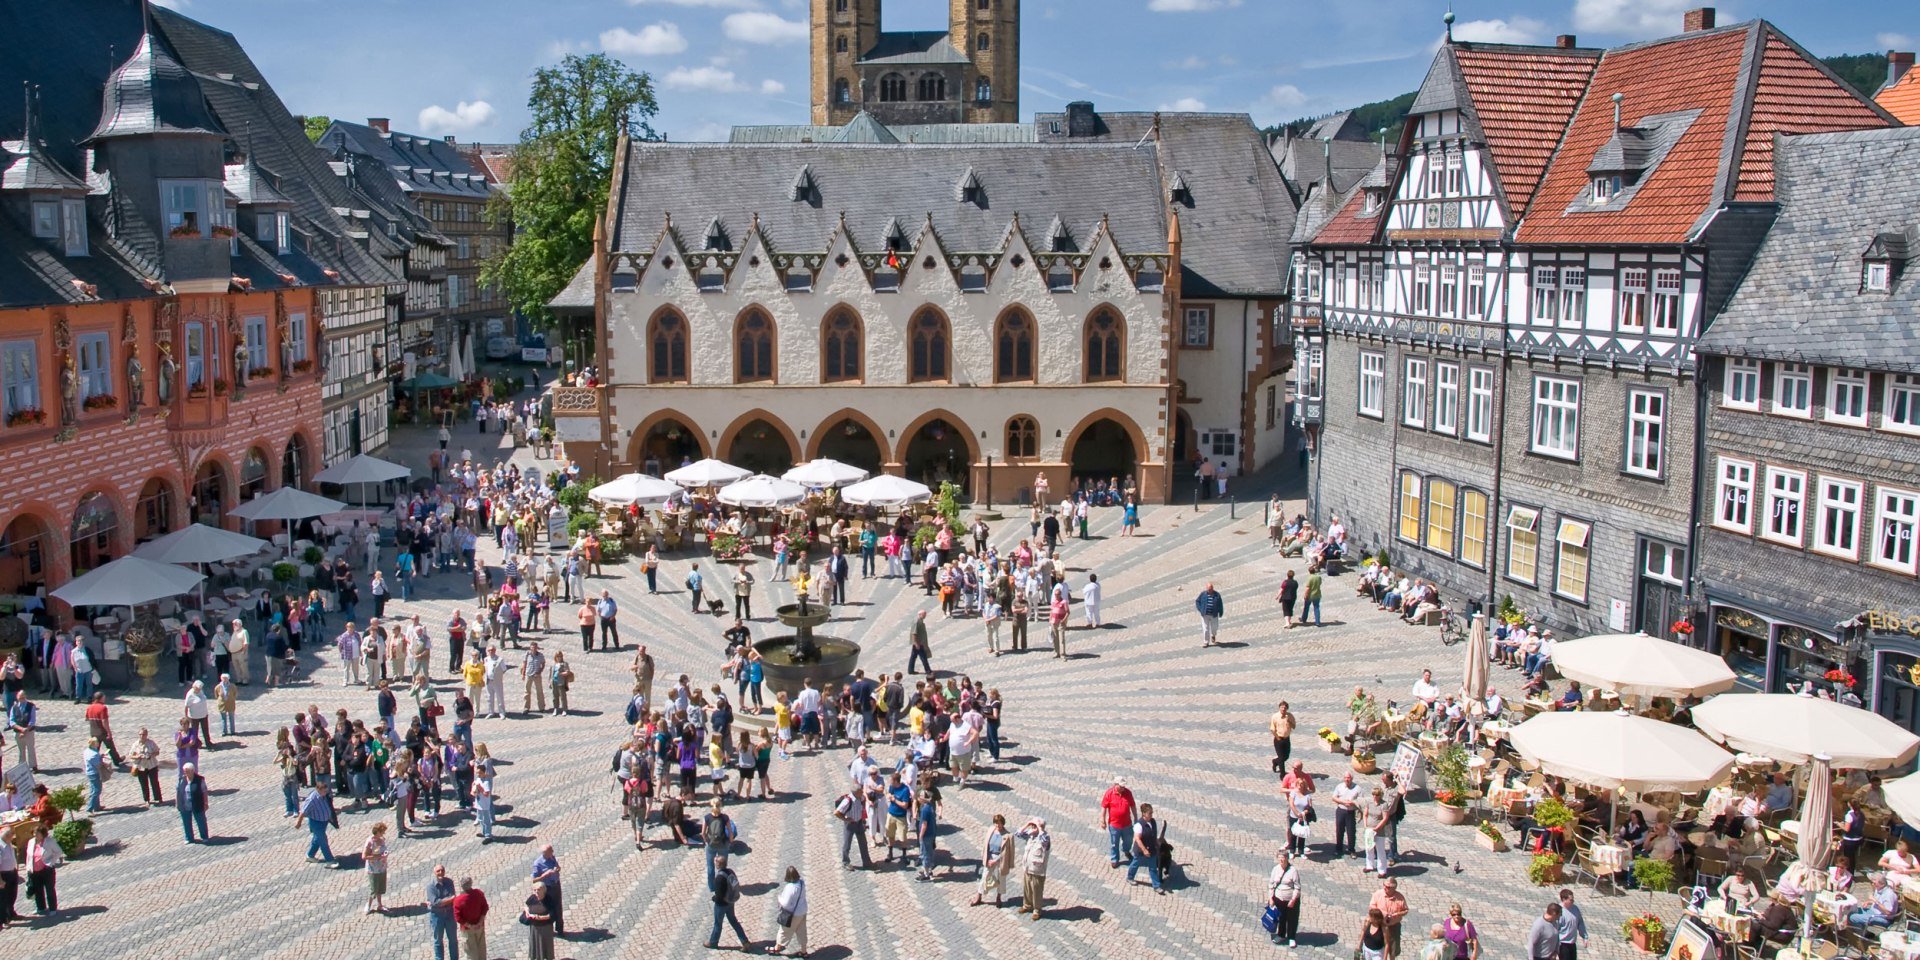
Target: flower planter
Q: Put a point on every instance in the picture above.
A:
(1646, 942)
(1495, 844)
(1364, 764)
(1450, 814)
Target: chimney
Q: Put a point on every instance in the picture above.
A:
(1898, 63)
(380, 123)
(449, 138)
(1699, 18)
(1080, 119)
(1566, 41)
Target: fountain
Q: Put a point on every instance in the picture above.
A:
(801, 656)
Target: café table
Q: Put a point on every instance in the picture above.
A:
(1833, 906)
(1610, 857)
(1494, 731)
(1734, 925)
(1822, 950)
(1903, 944)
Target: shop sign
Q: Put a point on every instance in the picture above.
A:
(1886, 621)
(1739, 620)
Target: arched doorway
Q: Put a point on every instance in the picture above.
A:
(668, 444)
(96, 527)
(1182, 443)
(209, 501)
(937, 451)
(153, 514)
(293, 463)
(23, 554)
(849, 441)
(1104, 451)
(253, 474)
(761, 447)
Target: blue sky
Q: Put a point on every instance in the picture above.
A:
(440, 67)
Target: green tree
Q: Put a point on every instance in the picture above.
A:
(317, 126)
(561, 171)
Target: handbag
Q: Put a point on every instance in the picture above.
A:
(93, 676)
(784, 918)
(1300, 829)
(1270, 918)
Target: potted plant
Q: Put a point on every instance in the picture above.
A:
(145, 640)
(1362, 760)
(185, 231)
(1329, 740)
(613, 550)
(1489, 837)
(72, 833)
(1544, 870)
(1647, 932)
(1452, 780)
(99, 401)
(729, 547)
(313, 555)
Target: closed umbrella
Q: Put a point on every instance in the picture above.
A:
(126, 582)
(887, 490)
(633, 488)
(1475, 683)
(1640, 667)
(762, 491)
(1816, 835)
(1794, 728)
(1620, 751)
(707, 473)
(825, 473)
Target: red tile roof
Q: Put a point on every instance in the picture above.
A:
(1902, 99)
(1349, 226)
(1523, 98)
(1794, 96)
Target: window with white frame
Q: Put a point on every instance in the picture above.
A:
(1436, 175)
(1523, 544)
(1413, 396)
(1897, 515)
(1456, 176)
(1741, 389)
(297, 336)
(1363, 284)
(1847, 397)
(1572, 565)
(1836, 530)
(1793, 390)
(1373, 384)
(190, 208)
(1410, 507)
(1473, 528)
(1476, 291)
(1546, 294)
(196, 355)
(1876, 276)
(1423, 289)
(1734, 496)
(1480, 404)
(93, 359)
(1446, 398)
(1556, 417)
(1337, 279)
(46, 219)
(1573, 295)
(1449, 290)
(73, 227)
(20, 375)
(1902, 411)
(257, 354)
(1199, 328)
(1666, 302)
(1632, 311)
(1786, 501)
(1378, 284)
(1646, 432)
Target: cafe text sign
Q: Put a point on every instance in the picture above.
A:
(1886, 621)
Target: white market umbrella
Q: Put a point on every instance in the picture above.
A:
(707, 473)
(363, 468)
(127, 582)
(887, 490)
(1903, 797)
(287, 503)
(634, 488)
(454, 372)
(762, 491)
(199, 543)
(1620, 751)
(1474, 683)
(1794, 728)
(1640, 667)
(825, 473)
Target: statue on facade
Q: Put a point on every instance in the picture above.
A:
(69, 393)
(136, 382)
(240, 361)
(169, 371)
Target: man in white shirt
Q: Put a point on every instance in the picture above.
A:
(1346, 808)
(1424, 690)
(1090, 600)
(237, 643)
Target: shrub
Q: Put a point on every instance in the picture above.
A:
(1544, 868)
(613, 550)
(581, 521)
(72, 835)
(68, 799)
(949, 505)
(285, 572)
(574, 495)
(1451, 774)
(1653, 876)
(313, 555)
(1552, 813)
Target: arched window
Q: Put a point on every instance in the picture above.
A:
(983, 90)
(1022, 438)
(842, 91)
(667, 339)
(95, 524)
(893, 88)
(209, 499)
(1106, 344)
(253, 475)
(932, 344)
(841, 348)
(753, 336)
(985, 41)
(933, 86)
(1013, 348)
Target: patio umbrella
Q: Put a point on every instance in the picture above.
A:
(126, 582)
(1903, 797)
(1641, 667)
(454, 372)
(199, 543)
(825, 473)
(707, 473)
(762, 491)
(1475, 683)
(427, 381)
(287, 503)
(1816, 834)
(363, 468)
(1620, 751)
(1794, 728)
(633, 488)
(887, 490)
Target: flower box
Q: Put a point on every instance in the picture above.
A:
(1489, 838)
(31, 416)
(259, 373)
(302, 366)
(220, 387)
(223, 232)
(100, 401)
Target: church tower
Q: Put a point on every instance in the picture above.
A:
(970, 74)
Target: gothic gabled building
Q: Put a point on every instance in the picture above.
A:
(969, 73)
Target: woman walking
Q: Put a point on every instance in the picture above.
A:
(744, 766)
(196, 708)
(374, 852)
(1283, 891)
(1373, 935)
(792, 918)
(638, 789)
(43, 864)
(1460, 932)
(763, 762)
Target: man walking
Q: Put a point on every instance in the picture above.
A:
(1034, 882)
(725, 888)
(317, 810)
(643, 672)
(1090, 600)
(851, 811)
(1146, 848)
(838, 571)
(1543, 940)
(440, 897)
(470, 916)
(546, 871)
(1311, 599)
(1346, 813)
(1573, 926)
(1211, 608)
(694, 582)
(1392, 905)
(608, 611)
(1017, 615)
(1116, 814)
(920, 653)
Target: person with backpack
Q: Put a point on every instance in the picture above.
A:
(1146, 848)
(851, 811)
(717, 833)
(725, 887)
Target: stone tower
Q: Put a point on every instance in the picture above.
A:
(969, 74)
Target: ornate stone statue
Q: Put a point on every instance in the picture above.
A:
(169, 371)
(136, 382)
(240, 360)
(69, 392)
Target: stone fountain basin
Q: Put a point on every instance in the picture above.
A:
(837, 659)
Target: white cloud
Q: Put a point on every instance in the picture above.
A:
(1191, 63)
(1188, 6)
(727, 4)
(653, 40)
(709, 78)
(709, 131)
(1516, 30)
(1894, 41)
(1636, 18)
(772, 87)
(1184, 105)
(763, 27)
(1284, 97)
(464, 116)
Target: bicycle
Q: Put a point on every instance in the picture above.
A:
(1451, 632)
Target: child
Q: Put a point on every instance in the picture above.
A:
(783, 723)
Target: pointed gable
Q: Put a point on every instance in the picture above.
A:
(1902, 98)
(1521, 98)
(1795, 94)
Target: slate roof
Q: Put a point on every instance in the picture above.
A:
(26, 165)
(1337, 126)
(1352, 225)
(900, 132)
(247, 183)
(1802, 299)
(1747, 82)
(1344, 162)
(422, 165)
(1902, 98)
(914, 47)
(152, 93)
(1519, 101)
(577, 295)
(874, 185)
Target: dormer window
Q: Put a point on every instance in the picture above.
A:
(73, 227)
(969, 189)
(1605, 188)
(1877, 276)
(1882, 263)
(1370, 202)
(717, 238)
(1178, 191)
